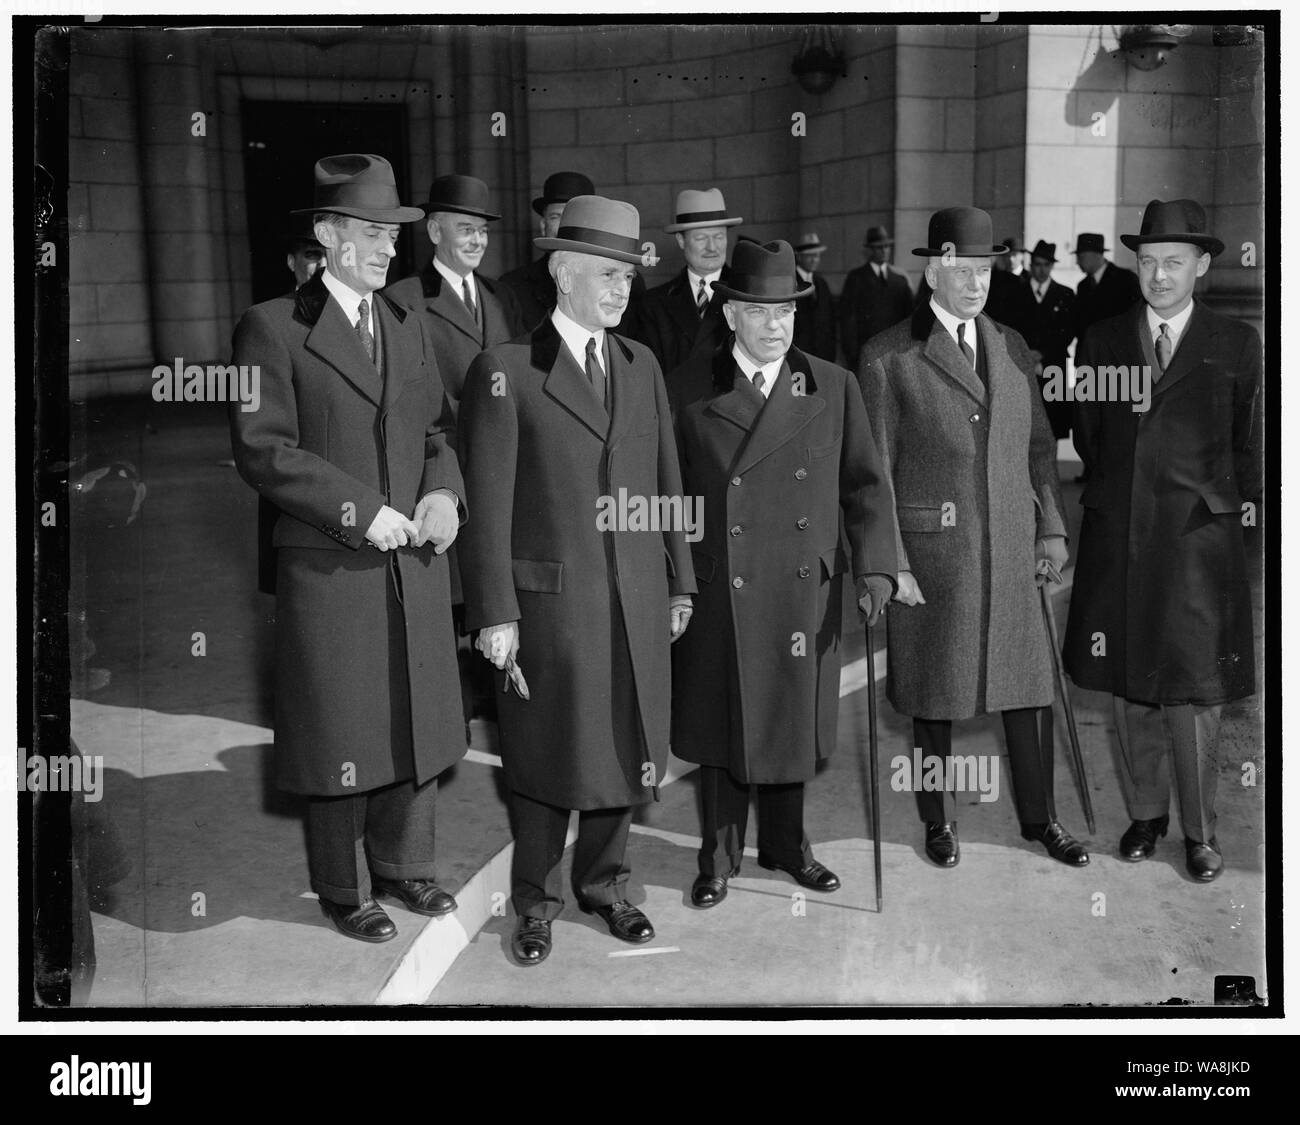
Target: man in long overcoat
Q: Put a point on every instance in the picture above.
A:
(876, 296)
(565, 438)
(1050, 327)
(349, 443)
(776, 446)
(816, 331)
(1160, 616)
(959, 424)
(1105, 289)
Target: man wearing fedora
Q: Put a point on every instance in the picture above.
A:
(1106, 289)
(814, 314)
(553, 426)
(1009, 299)
(350, 444)
(1160, 616)
(959, 423)
(682, 318)
(777, 446)
(1050, 327)
(876, 296)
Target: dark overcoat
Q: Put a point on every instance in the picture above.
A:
(539, 452)
(975, 485)
(366, 687)
(1050, 330)
(756, 677)
(1116, 293)
(1161, 574)
(533, 288)
(815, 329)
(868, 306)
(668, 322)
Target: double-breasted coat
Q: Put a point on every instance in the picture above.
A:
(366, 687)
(973, 468)
(756, 685)
(669, 323)
(542, 459)
(1160, 611)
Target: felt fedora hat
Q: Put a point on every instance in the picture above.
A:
(1044, 250)
(461, 195)
(592, 224)
(877, 236)
(762, 273)
(962, 232)
(360, 185)
(701, 209)
(561, 187)
(1090, 244)
(1179, 220)
(806, 243)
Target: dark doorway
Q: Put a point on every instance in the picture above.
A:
(282, 142)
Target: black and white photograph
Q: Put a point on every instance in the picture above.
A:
(691, 514)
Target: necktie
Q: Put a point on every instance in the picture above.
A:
(966, 349)
(468, 296)
(758, 381)
(880, 272)
(595, 372)
(1164, 347)
(363, 330)
(702, 298)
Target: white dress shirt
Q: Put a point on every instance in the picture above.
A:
(1177, 325)
(804, 275)
(950, 322)
(456, 281)
(575, 338)
(748, 367)
(350, 300)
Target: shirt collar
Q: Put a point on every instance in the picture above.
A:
(1177, 324)
(1101, 269)
(349, 298)
(575, 337)
(748, 367)
(804, 274)
(950, 322)
(710, 278)
(454, 279)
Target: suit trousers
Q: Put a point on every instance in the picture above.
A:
(725, 815)
(386, 831)
(600, 870)
(1029, 747)
(1147, 735)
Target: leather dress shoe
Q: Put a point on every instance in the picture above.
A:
(1204, 861)
(708, 890)
(941, 843)
(420, 896)
(1139, 840)
(1059, 843)
(366, 922)
(813, 875)
(530, 944)
(624, 920)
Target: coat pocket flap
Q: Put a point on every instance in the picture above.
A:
(1222, 502)
(537, 575)
(920, 519)
(704, 566)
(834, 562)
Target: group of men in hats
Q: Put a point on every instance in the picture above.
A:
(400, 419)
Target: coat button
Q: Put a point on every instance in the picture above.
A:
(974, 417)
(737, 582)
(804, 572)
(802, 524)
(735, 480)
(736, 530)
(800, 474)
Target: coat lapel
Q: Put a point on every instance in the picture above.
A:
(731, 402)
(401, 364)
(942, 351)
(785, 414)
(446, 305)
(1198, 342)
(334, 341)
(566, 382)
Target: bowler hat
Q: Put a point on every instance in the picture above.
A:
(762, 273)
(1179, 220)
(807, 243)
(1044, 250)
(461, 195)
(877, 236)
(1013, 244)
(360, 185)
(701, 209)
(592, 224)
(561, 187)
(960, 232)
(1090, 243)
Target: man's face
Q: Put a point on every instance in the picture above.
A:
(1040, 269)
(961, 287)
(705, 248)
(809, 259)
(358, 251)
(551, 219)
(764, 331)
(593, 291)
(877, 255)
(304, 264)
(1167, 272)
(1090, 260)
(458, 240)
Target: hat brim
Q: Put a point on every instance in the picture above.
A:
(1206, 242)
(1042, 258)
(676, 228)
(994, 251)
(369, 214)
(810, 249)
(592, 248)
(870, 245)
(731, 294)
(457, 209)
(1092, 250)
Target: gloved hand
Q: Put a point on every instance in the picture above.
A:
(497, 642)
(874, 592)
(438, 520)
(679, 615)
(1052, 557)
(390, 530)
(909, 593)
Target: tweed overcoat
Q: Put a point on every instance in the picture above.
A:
(975, 484)
(366, 686)
(1161, 576)
(756, 677)
(540, 454)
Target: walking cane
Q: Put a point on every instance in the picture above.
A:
(1054, 645)
(872, 753)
